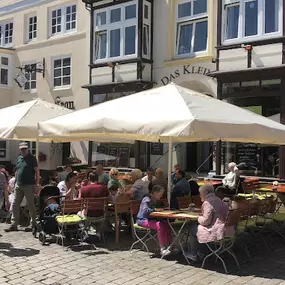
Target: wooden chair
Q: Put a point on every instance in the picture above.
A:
(183, 202)
(69, 223)
(122, 206)
(141, 234)
(96, 210)
(196, 199)
(226, 244)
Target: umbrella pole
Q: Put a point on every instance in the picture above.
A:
(37, 149)
(169, 169)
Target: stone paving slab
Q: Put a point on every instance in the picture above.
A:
(24, 261)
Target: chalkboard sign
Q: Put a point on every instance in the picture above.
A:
(125, 156)
(101, 149)
(247, 153)
(113, 151)
(156, 148)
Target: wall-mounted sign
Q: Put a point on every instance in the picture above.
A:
(66, 104)
(156, 148)
(185, 69)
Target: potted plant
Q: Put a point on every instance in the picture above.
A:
(73, 160)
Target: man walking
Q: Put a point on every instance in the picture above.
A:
(27, 176)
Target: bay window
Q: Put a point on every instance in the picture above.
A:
(116, 32)
(251, 19)
(191, 27)
(146, 30)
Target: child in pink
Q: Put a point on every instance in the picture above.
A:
(145, 220)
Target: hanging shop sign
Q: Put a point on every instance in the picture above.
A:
(183, 70)
(66, 104)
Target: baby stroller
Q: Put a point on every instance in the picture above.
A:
(46, 222)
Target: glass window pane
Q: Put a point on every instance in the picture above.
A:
(251, 15)
(101, 45)
(57, 72)
(146, 40)
(271, 16)
(184, 10)
(130, 40)
(4, 76)
(101, 19)
(115, 15)
(57, 82)
(66, 80)
(131, 12)
(4, 60)
(185, 38)
(201, 36)
(115, 37)
(146, 12)
(33, 84)
(232, 22)
(200, 6)
(57, 63)
(66, 71)
(66, 61)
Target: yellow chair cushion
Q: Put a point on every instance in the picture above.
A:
(262, 221)
(240, 230)
(136, 226)
(247, 224)
(245, 195)
(68, 219)
(280, 217)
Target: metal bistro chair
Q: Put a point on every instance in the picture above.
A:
(145, 233)
(69, 223)
(226, 243)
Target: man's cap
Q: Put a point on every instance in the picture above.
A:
(23, 145)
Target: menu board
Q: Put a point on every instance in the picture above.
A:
(124, 156)
(247, 153)
(113, 151)
(101, 149)
(156, 148)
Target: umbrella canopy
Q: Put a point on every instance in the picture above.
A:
(168, 113)
(20, 122)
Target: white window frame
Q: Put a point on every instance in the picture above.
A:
(8, 67)
(113, 26)
(147, 22)
(30, 90)
(2, 33)
(28, 28)
(63, 19)
(241, 25)
(62, 87)
(188, 20)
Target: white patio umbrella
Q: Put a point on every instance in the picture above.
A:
(167, 114)
(20, 122)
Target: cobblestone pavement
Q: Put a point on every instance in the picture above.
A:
(24, 261)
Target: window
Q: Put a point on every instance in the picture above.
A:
(3, 149)
(31, 84)
(116, 32)
(252, 19)
(6, 34)
(62, 72)
(146, 41)
(191, 27)
(63, 20)
(32, 28)
(4, 71)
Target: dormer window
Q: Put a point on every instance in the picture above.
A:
(116, 32)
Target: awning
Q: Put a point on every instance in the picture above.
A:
(137, 85)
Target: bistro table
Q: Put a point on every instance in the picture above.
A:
(183, 215)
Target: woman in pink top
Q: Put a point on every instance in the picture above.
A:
(211, 224)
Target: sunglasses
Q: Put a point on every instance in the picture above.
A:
(115, 174)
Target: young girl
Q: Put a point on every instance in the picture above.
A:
(145, 220)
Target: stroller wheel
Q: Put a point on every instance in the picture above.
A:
(42, 238)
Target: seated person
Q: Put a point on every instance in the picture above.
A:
(180, 189)
(139, 188)
(159, 179)
(211, 224)
(114, 184)
(67, 187)
(145, 220)
(229, 182)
